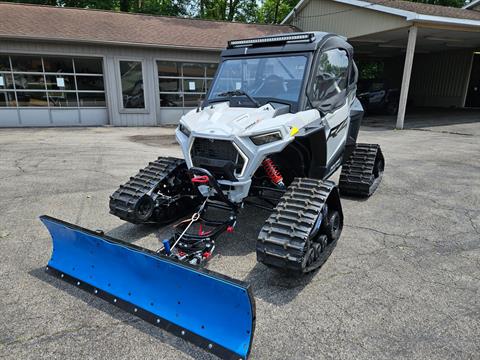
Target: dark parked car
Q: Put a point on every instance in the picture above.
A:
(377, 97)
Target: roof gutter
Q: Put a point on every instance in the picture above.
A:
(408, 15)
(111, 43)
(471, 4)
(296, 8)
(447, 20)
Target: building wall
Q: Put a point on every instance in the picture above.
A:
(153, 114)
(439, 79)
(342, 19)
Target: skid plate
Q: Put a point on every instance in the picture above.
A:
(212, 311)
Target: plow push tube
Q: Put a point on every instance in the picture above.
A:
(210, 310)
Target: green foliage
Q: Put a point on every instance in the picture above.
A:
(452, 3)
(157, 7)
(274, 11)
(161, 7)
(91, 4)
(37, 2)
(264, 11)
(370, 69)
(228, 10)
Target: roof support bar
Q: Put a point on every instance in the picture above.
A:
(407, 72)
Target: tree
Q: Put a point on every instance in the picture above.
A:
(229, 10)
(274, 11)
(36, 2)
(162, 7)
(267, 12)
(90, 4)
(124, 5)
(159, 7)
(452, 3)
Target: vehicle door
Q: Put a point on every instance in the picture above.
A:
(328, 92)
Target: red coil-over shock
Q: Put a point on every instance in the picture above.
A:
(272, 172)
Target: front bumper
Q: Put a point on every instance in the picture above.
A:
(237, 188)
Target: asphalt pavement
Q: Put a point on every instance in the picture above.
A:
(402, 283)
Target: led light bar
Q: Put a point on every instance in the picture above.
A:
(309, 37)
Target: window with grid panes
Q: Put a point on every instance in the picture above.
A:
(51, 81)
(184, 84)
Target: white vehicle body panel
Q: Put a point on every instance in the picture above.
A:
(337, 121)
(238, 124)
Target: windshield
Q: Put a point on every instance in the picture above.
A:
(265, 78)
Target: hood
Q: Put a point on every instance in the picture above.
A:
(222, 120)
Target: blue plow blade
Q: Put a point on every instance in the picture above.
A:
(210, 310)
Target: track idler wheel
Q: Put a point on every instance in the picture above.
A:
(332, 225)
(322, 244)
(144, 208)
(378, 167)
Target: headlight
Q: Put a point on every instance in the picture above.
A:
(184, 130)
(266, 138)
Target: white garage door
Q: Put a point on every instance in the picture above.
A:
(38, 90)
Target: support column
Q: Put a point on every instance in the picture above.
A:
(407, 72)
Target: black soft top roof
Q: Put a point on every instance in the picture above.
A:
(286, 43)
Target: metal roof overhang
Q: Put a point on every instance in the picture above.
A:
(434, 33)
(430, 39)
(472, 4)
(408, 15)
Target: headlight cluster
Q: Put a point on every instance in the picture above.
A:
(266, 138)
(184, 130)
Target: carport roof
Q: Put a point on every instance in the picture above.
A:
(429, 9)
(23, 21)
(411, 11)
(472, 4)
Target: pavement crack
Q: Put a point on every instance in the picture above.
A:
(65, 332)
(443, 132)
(17, 165)
(97, 167)
(377, 231)
(472, 223)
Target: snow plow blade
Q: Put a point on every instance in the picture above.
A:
(210, 310)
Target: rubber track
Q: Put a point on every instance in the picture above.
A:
(122, 201)
(356, 177)
(284, 239)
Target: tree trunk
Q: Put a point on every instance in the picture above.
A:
(277, 5)
(223, 11)
(232, 9)
(124, 5)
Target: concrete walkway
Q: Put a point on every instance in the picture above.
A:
(439, 120)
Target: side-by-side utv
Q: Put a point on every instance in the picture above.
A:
(280, 118)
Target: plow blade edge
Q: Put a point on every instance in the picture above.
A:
(212, 311)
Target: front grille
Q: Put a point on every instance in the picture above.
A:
(214, 149)
(218, 156)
